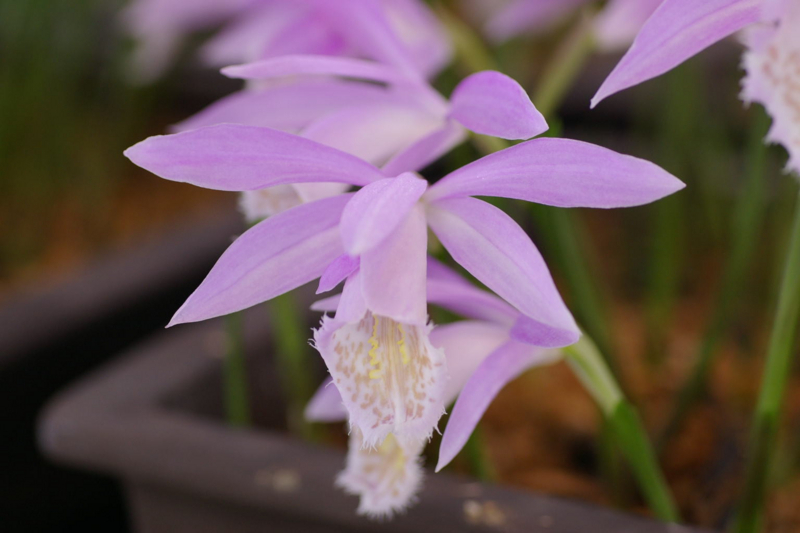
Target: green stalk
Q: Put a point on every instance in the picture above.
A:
(291, 350)
(234, 370)
(478, 456)
(773, 386)
(623, 420)
(748, 220)
(565, 65)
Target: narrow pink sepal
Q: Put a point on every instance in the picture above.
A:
(676, 31)
(275, 256)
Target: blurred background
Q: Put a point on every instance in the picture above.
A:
(74, 211)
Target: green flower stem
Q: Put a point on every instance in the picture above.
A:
(237, 407)
(291, 350)
(773, 387)
(478, 456)
(623, 419)
(565, 65)
(748, 220)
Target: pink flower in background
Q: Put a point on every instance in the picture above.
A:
(481, 357)
(615, 26)
(403, 33)
(402, 124)
(679, 29)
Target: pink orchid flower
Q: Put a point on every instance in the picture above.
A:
(615, 26)
(402, 124)
(404, 33)
(376, 240)
(679, 29)
(481, 357)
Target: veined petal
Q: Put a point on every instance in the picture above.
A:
(337, 272)
(386, 477)
(466, 344)
(494, 249)
(296, 65)
(378, 209)
(560, 172)
(277, 255)
(470, 301)
(676, 31)
(499, 368)
(394, 272)
(391, 378)
(326, 404)
(374, 132)
(288, 107)
(491, 103)
(426, 150)
(244, 158)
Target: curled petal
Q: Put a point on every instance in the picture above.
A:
(676, 31)
(494, 249)
(394, 272)
(378, 209)
(491, 103)
(244, 158)
(386, 477)
(391, 378)
(277, 255)
(499, 368)
(337, 272)
(560, 172)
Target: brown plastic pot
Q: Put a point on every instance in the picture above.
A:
(152, 420)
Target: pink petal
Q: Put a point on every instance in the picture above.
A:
(523, 16)
(466, 345)
(426, 150)
(676, 31)
(494, 249)
(374, 132)
(438, 271)
(425, 38)
(326, 404)
(394, 272)
(617, 25)
(351, 306)
(337, 272)
(378, 209)
(560, 172)
(499, 368)
(244, 158)
(470, 301)
(287, 107)
(297, 65)
(277, 255)
(491, 103)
